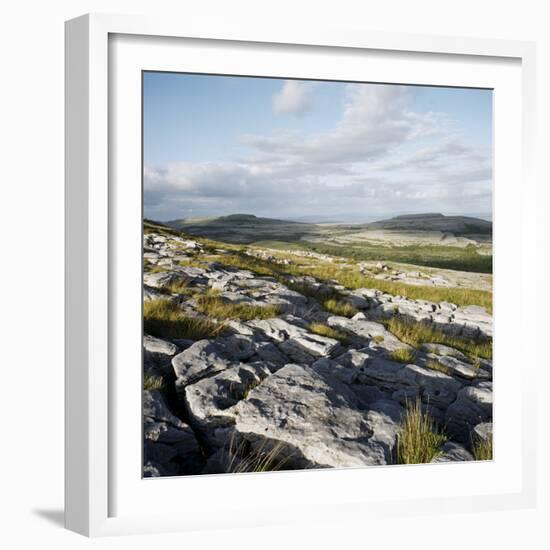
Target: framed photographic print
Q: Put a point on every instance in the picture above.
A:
(289, 271)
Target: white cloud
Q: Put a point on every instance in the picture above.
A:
(375, 121)
(293, 98)
(380, 158)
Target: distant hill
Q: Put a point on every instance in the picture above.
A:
(243, 228)
(247, 228)
(458, 225)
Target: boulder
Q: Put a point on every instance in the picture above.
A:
(473, 406)
(207, 401)
(299, 343)
(453, 452)
(366, 330)
(483, 431)
(155, 408)
(198, 361)
(270, 354)
(157, 352)
(315, 421)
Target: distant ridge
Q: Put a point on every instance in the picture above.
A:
(243, 228)
(458, 225)
(416, 216)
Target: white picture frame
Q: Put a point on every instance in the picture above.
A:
(103, 55)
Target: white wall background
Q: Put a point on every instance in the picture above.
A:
(31, 268)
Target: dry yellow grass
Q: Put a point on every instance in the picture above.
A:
(164, 319)
(416, 334)
(483, 449)
(402, 355)
(212, 305)
(419, 440)
(151, 382)
(436, 365)
(324, 330)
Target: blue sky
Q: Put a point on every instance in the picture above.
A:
(216, 145)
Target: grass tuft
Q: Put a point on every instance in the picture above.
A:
(403, 355)
(157, 269)
(152, 382)
(324, 330)
(483, 449)
(416, 334)
(265, 458)
(164, 319)
(212, 305)
(181, 286)
(339, 307)
(419, 440)
(436, 365)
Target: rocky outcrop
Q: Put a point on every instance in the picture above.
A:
(273, 394)
(170, 445)
(317, 421)
(470, 321)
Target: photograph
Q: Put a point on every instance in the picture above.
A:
(317, 274)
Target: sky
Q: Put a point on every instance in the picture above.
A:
(316, 150)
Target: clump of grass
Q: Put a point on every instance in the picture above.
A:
(416, 334)
(214, 306)
(436, 365)
(181, 286)
(265, 458)
(164, 319)
(378, 339)
(324, 330)
(331, 300)
(157, 269)
(152, 382)
(339, 307)
(419, 439)
(483, 449)
(403, 355)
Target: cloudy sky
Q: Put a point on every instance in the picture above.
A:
(295, 149)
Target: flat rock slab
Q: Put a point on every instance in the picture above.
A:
(296, 340)
(319, 421)
(368, 331)
(208, 400)
(198, 361)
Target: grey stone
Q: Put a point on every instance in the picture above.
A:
(483, 431)
(473, 405)
(155, 407)
(298, 339)
(208, 400)
(317, 421)
(436, 388)
(200, 360)
(453, 452)
(236, 347)
(441, 349)
(268, 352)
